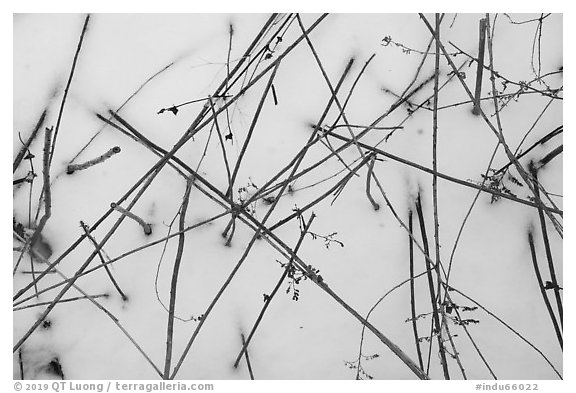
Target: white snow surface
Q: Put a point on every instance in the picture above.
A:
(313, 337)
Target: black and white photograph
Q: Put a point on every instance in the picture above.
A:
(288, 196)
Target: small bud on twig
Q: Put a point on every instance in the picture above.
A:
(147, 227)
(78, 167)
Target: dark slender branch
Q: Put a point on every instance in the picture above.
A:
(21, 363)
(375, 205)
(63, 103)
(480, 68)
(67, 300)
(550, 156)
(33, 175)
(551, 268)
(232, 223)
(95, 243)
(435, 313)
(247, 359)
(46, 187)
(26, 146)
(537, 42)
(435, 200)
(174, 283)
(222, 146)
(412, 296)
(543, 290)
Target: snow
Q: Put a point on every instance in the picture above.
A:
(313, 337)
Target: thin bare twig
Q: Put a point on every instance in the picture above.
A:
(433, 299)
(555, 286)
(480, 68)
(375, 205)
(85, 165)
(46, 187)
(21, 363)
(412, 296)
(550, 156)
(95, 243)
(174, 283)
(26, 146)
(63, 103)
(248, 364)
(67, 300)
(543, 290)
(435, 201)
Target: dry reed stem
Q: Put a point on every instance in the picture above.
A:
(557, 329)
(80, 167)
(67, 88)
(174, 283)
